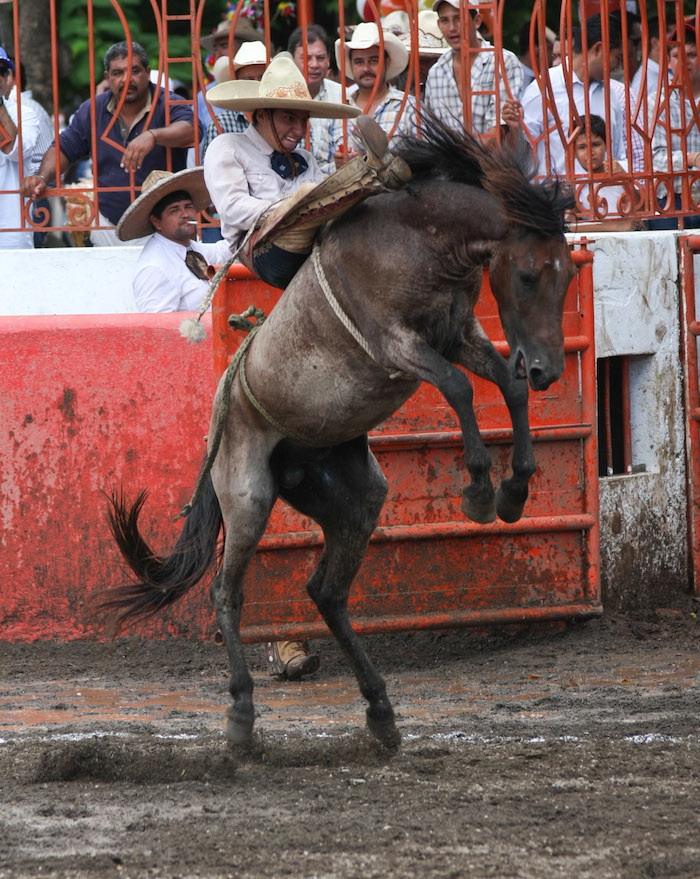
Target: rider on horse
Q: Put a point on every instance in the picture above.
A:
(271, 196)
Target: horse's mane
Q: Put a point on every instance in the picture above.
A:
(454, 154)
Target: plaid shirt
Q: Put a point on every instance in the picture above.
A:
(443, 98)
(671, 142)
(231, 122)
(385, 115)
(636, 156)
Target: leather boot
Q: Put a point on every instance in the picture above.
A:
(291, 660)
(392, 171)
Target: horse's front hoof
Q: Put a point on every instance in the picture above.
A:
(509, 508)
(385, 732)
(239, 728)
(479, 509)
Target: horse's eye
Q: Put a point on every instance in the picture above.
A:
(528, 278)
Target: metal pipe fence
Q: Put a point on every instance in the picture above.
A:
(639, 74)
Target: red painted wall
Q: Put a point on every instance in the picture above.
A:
(87, 403)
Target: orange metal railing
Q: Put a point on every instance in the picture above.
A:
(658, 148)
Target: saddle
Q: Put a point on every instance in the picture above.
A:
(294, 222)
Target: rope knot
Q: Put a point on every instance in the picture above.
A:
(241, 322)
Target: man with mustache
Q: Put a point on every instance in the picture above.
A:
(131, 149)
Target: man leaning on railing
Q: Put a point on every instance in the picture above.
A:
(128, 148)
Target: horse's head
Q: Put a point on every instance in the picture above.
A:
(529, 275)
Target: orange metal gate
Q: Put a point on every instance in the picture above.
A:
(690, 330)
(427, 566)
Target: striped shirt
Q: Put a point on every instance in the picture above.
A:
(670, 148)
(231, 122)
(442, 94)
(388, 115)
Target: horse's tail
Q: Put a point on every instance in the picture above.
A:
(160, 581)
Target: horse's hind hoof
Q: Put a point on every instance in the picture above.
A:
(239, 728)
(478, 509)
(385, 732)
(508, 508)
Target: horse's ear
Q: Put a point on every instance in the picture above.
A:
(481, 251)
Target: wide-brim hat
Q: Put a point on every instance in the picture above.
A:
(135, 222)
(249, 53)
(245, 32)
(431, 42)
(366, 35)
(282, 87)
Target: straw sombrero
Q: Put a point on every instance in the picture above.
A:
(431, 42)
(282, 87)
(249, 53)
(135, 222)
(366, 35)
(244, 31)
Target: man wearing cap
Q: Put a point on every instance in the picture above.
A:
(13, 145)
(391, 109)
(257, 177)
(444, 86)
(249, 63)
(130, 147)
(172, 269)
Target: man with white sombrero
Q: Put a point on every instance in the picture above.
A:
(248, 63)
(372, 59)
(266, 189)
(172, 269)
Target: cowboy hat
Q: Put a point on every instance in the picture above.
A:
(135, 222)
(431, 42)
(366, 35)
(244, 32)
(249, 53)
(282, 87)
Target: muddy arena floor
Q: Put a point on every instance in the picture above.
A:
(569, 753)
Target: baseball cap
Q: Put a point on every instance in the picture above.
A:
(5, 57)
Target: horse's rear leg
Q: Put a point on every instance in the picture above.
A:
(344, 492)
(246, 491)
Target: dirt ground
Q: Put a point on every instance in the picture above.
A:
(569, 753)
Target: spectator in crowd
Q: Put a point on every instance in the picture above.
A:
(587, 62)
(556, 52)
(527, 62)
(249, 64)
(40, 210)
(431, 46)
(130, 149)
(653, 67)
(315, 66)
(172, 269)
(444, 86)
(217, 44)
(15, 146)
(614, 201)
(675, 139)
(391, 109)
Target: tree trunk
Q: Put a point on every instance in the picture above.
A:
(35, 48)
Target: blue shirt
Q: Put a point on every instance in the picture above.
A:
(76, 143)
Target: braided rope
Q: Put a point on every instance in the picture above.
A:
(263, 411)
(342, 316)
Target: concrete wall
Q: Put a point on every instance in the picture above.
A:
(643, 526)
(68, 280)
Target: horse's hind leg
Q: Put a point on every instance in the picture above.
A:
(344, 491)
(246, 491)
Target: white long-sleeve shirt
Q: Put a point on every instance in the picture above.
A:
(164, 282)
(241, 181)
(11, 202)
